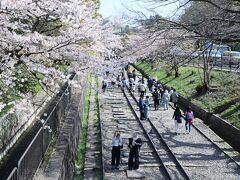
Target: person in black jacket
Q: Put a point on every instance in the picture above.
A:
(134, 144)
(156, 98)
(177, 116)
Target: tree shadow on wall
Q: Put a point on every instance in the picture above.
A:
(221, 108)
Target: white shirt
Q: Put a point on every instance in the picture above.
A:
(166, 97)
(142, 87)
(116, 141)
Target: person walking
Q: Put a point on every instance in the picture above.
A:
(146, 108)
(104, 85)
(177, 116)
(134, 144)
(174, 97)
(131, 82)
(119, 80)
(134, 74)
(165, 99)
(150, 84)
(156, 98)
(116, 150)
(189, 119)
(142, 88)
(141, 107)
(170, 92)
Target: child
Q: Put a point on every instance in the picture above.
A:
(189, 119)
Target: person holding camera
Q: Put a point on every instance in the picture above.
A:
(116, 150)
(134, 144)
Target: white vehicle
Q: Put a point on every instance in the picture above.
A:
(217, 51)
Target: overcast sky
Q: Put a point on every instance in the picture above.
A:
(118, 7)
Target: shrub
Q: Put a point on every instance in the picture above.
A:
(199, 89)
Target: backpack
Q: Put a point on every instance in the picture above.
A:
(178, 118)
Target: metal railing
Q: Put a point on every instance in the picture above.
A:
(34, 154)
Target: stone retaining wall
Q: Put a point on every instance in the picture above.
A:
(17, 120)
(221, 127)
(61, 165)
(227, 131)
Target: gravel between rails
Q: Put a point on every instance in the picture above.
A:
(116, 115)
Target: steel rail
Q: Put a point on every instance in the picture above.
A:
(219, 148)
(178, 165)
(146, 133)
(200, 132)
(164, 142)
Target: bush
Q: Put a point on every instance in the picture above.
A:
(201, 89)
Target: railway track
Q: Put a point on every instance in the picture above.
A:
(116, 115)
(164, 153)
(196, 128)
(156, 159)
(205, 154)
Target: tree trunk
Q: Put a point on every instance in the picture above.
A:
(176, 72)
(176, 68)
(206, 74)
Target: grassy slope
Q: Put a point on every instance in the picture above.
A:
(80, 159)
(227, 88)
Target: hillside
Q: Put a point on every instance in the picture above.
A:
(223, 99)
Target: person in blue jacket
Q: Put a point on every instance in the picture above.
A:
(141, 105)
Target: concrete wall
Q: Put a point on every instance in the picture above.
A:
(227, 131)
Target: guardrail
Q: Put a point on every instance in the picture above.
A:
(34, 154)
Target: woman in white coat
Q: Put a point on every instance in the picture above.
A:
(165, 99)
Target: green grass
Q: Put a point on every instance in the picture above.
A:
(98, 172)
(80, 159)
(220, 100)
(233, 114)
(5, 110)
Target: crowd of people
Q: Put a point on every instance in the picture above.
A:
(161, 98)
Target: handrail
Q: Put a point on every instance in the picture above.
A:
(41, 129)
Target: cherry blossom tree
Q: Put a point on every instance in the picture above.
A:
(38, 37)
